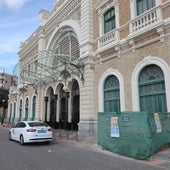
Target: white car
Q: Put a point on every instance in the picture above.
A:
(31, 131)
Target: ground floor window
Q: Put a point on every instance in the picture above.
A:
(152, 89)
(20, 110)
(14, 112)
(33, 107)
(111, 94)
(26, 109)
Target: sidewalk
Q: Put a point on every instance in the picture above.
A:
(160, 158)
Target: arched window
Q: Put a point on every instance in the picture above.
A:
(33, 107)
(14, 112)
(20, 110)
(152, 89)
(111, 94)
(68, 45)
(26, 109)
(144, 5)
(109, 20)
(10, 113)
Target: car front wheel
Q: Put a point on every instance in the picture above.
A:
(21, 140)
(10, 136)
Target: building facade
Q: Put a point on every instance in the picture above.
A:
(7, 80)
(94, 56)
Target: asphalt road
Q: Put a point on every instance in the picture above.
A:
(61, 156)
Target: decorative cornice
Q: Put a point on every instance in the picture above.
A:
(101, 6)
(61, 14)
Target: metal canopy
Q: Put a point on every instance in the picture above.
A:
(46, 67)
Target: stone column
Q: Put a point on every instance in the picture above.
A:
(87, 32)
(88, 119)
(87, 124)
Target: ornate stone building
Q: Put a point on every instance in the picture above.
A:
(94, 56)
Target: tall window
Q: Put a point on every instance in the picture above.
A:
(26, 109)
(14, 112)
(152, 90)
(109, 20)
(20, 110)
(10, 113)
(111, 94)
(144, 5)
(33, 107)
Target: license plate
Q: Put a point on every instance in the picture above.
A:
(41, 131)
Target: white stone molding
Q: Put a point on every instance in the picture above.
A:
(41, 41)
(86, 42)
(43, 16)
(117, 49)
(160, 31)
(66, 24)
(135, 76)
(132, 44)
(110, 71)
(59, 14)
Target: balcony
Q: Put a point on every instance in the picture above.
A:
(107, 40)
(146, 21)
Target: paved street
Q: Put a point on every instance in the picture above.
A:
(63, 156)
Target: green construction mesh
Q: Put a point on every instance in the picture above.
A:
(134, 134)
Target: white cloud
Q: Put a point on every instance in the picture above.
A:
(13, 4)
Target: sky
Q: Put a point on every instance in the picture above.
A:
(18, 20)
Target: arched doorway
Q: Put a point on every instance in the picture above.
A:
(75, 117)
(52, 107)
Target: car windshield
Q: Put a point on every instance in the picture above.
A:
(33, 124)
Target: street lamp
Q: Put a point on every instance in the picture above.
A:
(65, 77)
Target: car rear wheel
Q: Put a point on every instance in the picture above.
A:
(21, 140)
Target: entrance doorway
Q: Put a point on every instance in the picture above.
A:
(63, 114)
(75, 106)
